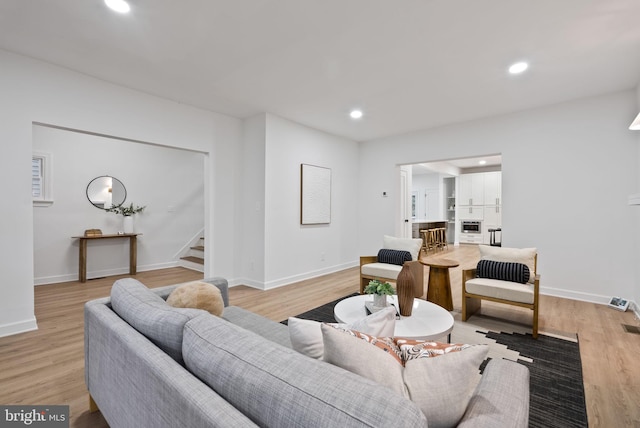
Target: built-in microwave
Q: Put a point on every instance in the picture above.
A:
(470, 226)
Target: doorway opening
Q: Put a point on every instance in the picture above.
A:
(168, 181)
(454, 190)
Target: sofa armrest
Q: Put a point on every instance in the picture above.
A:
(365, 260)
(501, 399)
(468, 274)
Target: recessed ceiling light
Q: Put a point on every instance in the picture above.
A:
(518, 67)
(482, 162)
(120, 6)
(355, 114)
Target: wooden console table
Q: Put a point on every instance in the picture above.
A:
(133, 252)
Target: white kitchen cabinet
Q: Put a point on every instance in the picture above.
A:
(493, 188)
(471, 189)
(492, 216)
(468, 212)
(471, 238)
(492, 220)
(480, 199)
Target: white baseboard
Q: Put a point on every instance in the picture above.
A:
(245, 281)
(575, 295)
(191, 265)
(102, 273)
(18, 327)
(308, 275)
(268, 285)
(585, 297)
(634, 307)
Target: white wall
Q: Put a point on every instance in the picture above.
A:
(276, 249)
(34, 91)
(156, 177)
(291, 251)
(567, 170)
(251, 264)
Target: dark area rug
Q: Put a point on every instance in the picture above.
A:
(322, 313)
(556, 387)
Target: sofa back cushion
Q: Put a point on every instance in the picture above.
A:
(527, 256)
(149, 314)
(276, 386)
(412, 245)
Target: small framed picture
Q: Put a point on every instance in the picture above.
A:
(619, 303)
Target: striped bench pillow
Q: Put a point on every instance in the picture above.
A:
(504, 271)
(393, 257)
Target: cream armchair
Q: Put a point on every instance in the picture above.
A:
(388, 268)
(497, 282)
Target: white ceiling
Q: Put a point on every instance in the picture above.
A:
(408, 64)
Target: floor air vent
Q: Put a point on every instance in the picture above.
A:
(631, 328)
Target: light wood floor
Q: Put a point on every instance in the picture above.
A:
(47, 366)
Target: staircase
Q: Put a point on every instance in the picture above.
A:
(194, 257)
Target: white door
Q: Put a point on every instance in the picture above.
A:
(433, 205)
(405, 205)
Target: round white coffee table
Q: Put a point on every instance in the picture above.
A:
(428, 321)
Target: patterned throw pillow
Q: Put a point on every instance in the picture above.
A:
(411, 349)
(403, 350)
(393, 257)
(504, 271)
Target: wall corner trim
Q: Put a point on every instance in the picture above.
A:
(18, 327)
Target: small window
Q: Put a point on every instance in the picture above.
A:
(41, 179)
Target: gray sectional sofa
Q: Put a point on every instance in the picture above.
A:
(150, 365)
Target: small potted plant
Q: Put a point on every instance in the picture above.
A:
(380, 291)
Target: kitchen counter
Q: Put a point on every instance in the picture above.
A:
(419, 225)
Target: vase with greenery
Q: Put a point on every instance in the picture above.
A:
(380, 291)
(127, 212)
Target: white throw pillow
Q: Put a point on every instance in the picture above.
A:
(306, 335)
(442, 386)
(526, 256)
(439, 378)
(411, 245)
(360, 357)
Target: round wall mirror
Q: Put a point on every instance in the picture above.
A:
(106, 192)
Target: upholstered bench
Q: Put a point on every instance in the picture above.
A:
(503, 275)
(388, 263)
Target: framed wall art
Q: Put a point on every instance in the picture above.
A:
(315, 194)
